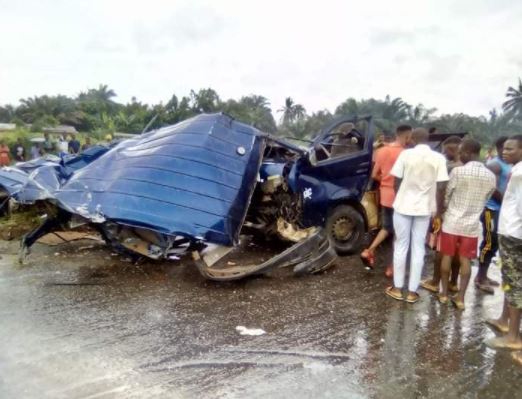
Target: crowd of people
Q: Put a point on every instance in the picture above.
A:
(64, 145)
(446, 200)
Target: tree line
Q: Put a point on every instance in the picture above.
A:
(96, 111)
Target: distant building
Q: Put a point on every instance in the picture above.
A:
(62, 129)
(122, 135)
(7, 127)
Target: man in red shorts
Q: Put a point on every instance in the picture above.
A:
(450, 149)
(468, 190)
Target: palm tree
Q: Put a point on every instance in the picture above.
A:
(348, 107)
(100, 99)
(102, 93)
(291, 111)
(7, 113)
(419, 115)
(205, 100)
(513, 106)
(394, 110)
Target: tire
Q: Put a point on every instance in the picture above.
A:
(346, 229)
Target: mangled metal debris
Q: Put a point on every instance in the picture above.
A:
(311, 255)
(194, 187)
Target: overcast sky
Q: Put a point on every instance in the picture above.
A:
(458, 56)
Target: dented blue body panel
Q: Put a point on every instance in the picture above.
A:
(28, 180)
(193, 179)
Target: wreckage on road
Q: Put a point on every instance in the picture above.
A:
(200, 185)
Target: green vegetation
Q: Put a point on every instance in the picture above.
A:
(95, 111)
(19, 223)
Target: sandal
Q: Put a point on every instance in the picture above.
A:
(368, 258)
(458, 304)
(427, 285)
(412, 298)
(389, 291)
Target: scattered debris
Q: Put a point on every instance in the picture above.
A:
(86, 247)
(242, 330)
(61, 237)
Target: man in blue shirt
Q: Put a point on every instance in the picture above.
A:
(489, 219)
(74, 145)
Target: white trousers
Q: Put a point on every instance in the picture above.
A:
(409, 230)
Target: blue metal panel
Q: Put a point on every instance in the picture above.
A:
(12, 180)
(194, 178)
(39, 178)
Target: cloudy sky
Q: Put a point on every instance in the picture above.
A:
(458, 56)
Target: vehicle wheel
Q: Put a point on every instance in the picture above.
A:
(346, 229)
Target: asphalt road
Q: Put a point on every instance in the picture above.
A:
(79, 322)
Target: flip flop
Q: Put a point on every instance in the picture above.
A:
(443, 299)
(500, 343)
(453, 288)
(388, 291)
(430, 287)
(412, 298)
(458, 304)
(517, 357)
(493, 283)
(487, 289)
(496, 326)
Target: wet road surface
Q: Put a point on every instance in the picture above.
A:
(79, 322)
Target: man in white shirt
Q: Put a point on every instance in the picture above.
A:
(469, 188)
(510, 240)
(420, 173)
(63, 145)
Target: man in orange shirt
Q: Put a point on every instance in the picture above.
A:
(385, 158)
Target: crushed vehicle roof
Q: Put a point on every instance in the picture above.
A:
(194, 178)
